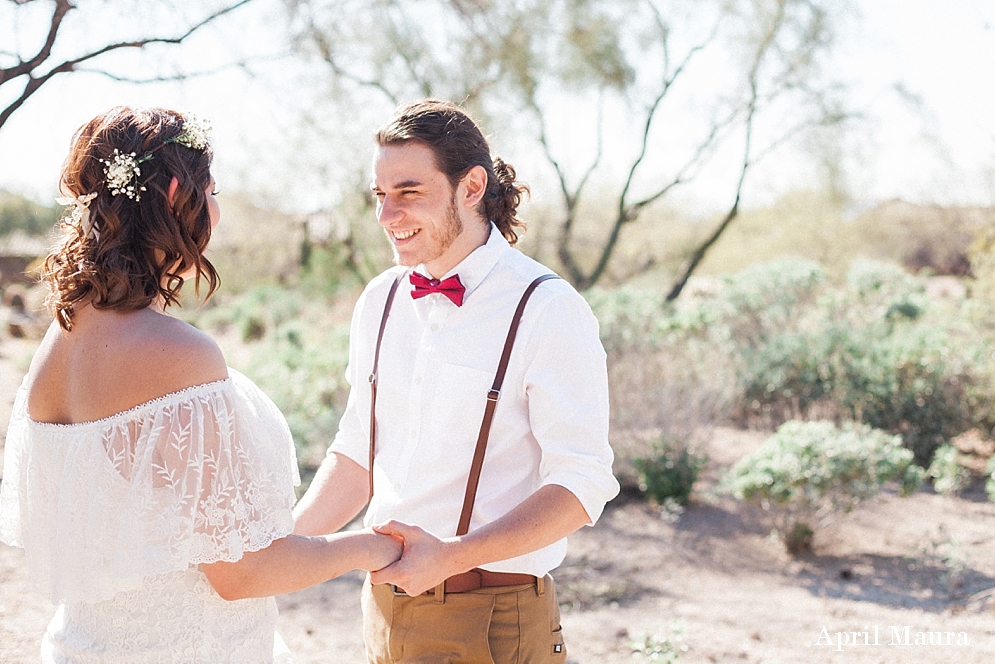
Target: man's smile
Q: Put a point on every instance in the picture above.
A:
(404, 235)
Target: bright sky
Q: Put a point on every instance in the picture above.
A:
(920, 72)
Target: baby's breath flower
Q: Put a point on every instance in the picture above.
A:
(123, 170)
(122, 173)
(195, 131)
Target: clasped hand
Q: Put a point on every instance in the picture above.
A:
(425, 562)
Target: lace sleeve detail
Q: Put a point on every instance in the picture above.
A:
(200, 476)
(217, 477)
(13, 451)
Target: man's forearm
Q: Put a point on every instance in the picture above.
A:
(337, 493)
(545, 517)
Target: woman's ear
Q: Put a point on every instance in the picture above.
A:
(171, 194)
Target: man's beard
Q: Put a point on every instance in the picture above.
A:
(452, 228)
(447, 234)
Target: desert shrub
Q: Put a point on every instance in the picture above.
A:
(778, 342)
(990, 481)
(762, 301)
(916, 382)
(664, 646)
(913, 381)
(946, 472)
(256, 312)
(764, 315)
(669, 472)
(18, 213)
(302, 368)
(810, 472)
(867, 351)
(668, 378)
(295, 345)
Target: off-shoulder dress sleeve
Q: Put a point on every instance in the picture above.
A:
(198, 476)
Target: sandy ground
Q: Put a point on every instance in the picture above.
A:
(713, 577)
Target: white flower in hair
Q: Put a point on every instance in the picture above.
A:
(195, 131)
(122, 174)
(81, 213)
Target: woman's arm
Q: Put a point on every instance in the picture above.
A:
(290, 563)
(338, 491)
(295, 562)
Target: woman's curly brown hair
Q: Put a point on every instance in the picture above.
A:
(141, 247)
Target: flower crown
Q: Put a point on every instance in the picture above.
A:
(124, 169)
(194, 135)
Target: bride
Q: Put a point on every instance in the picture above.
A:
(151, 486)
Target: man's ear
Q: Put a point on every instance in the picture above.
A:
(474, 186)
(171, 194)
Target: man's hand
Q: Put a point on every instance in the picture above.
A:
(426, 561)
(548, 515)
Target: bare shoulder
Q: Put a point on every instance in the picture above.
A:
(111, 362)
(179, 355)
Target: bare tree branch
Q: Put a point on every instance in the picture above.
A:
(699, 253)
(627, 213)
(179, 76)
(570, 198)
(62, 7)
(488, 54)
(328, 55)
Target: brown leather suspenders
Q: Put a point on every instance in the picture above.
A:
(492, 398)
(374, 377)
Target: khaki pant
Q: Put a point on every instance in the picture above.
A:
(508, 625)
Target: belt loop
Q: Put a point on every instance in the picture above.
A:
(540, 586)
(440, 593)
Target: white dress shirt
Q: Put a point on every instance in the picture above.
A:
(437, 363)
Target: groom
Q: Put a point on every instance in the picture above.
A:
(426, 343)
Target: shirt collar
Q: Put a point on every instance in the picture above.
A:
(475, 267)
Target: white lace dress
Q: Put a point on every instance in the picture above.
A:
(116, 515)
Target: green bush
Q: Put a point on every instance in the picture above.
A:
(20, 213)
(990, 482)
(295, 346)
(256, 312)
(946, 472)
(670, 473)
(780, 341)
(667, 376)
(303, 370)
(809, 472)
(664, 646)
(868, 351)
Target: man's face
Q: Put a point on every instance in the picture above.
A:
(416, 207)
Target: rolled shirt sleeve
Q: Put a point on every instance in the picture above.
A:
(566, 384)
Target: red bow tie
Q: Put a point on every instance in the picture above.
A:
(451, 287)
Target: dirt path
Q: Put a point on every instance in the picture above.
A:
(714, 574)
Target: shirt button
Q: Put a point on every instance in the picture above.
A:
(417, 380)
(434, 327)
